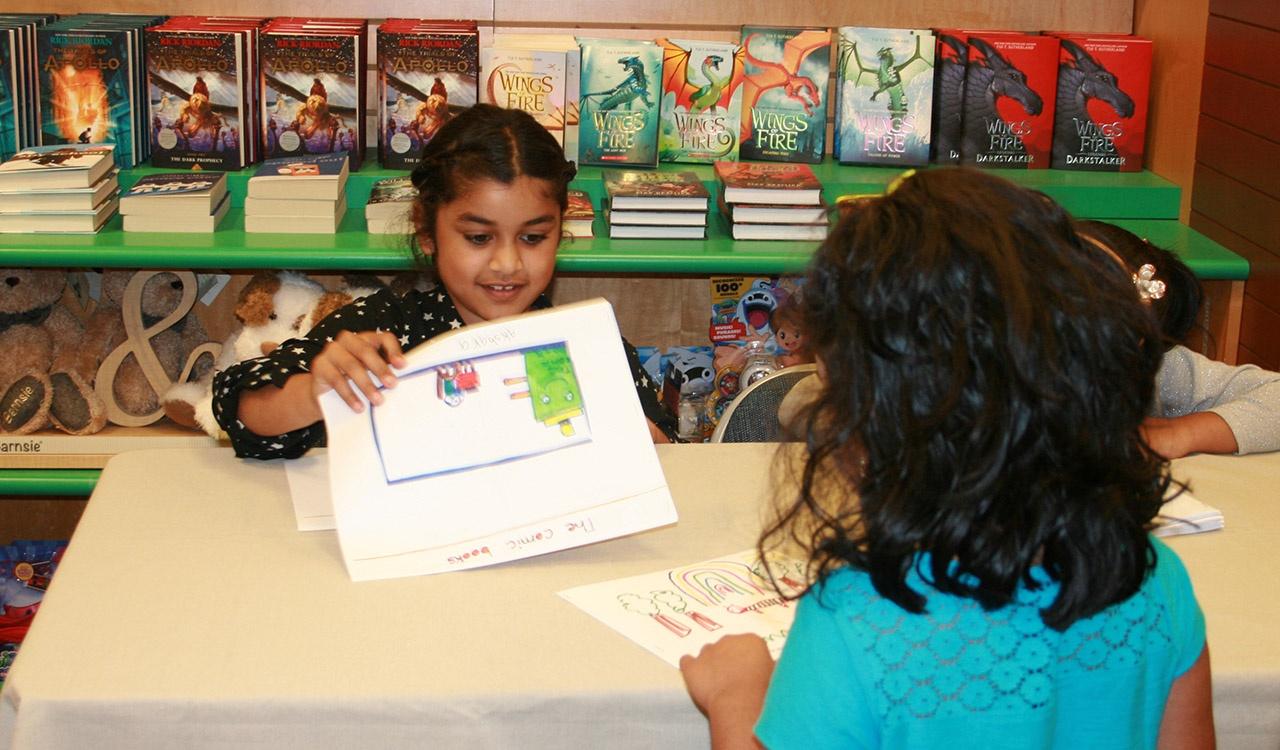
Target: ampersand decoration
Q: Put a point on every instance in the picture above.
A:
(138, 343)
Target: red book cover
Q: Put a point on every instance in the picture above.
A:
(951, 59)
(756, 176)
(1009, 91)
(1104, 85)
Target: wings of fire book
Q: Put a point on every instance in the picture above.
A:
(501, 440)
(784, 93)
(701, 101)
(884, 86)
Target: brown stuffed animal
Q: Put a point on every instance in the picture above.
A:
(46, 373)
(155, 322)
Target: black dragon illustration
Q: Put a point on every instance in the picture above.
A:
(987, 81)
(1080, 79)
(948, 109)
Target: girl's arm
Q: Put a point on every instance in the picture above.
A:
(727, 681)
(350, 362)
(1188, 712)
(1245, 401)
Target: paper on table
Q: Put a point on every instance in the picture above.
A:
(1185, 514)
(676, 612)
(309, 488)
(552, 454)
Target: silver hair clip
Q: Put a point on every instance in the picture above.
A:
(1149, 287)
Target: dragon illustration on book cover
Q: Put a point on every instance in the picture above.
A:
(723, 78)
(953, 55)
(988, 80)
(634, 86)
(887, 70)
(784, 74)
(1080, 81)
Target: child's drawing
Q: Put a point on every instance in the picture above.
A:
(477, 412)
(722, 596)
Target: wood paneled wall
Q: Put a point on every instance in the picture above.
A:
(1235, 195)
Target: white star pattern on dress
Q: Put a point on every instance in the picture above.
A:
(455, 323)
(298, 350)
(404, 340)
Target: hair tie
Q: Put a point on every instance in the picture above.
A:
(1149, 287)
(570, 170)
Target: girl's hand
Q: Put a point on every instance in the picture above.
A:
(727, 681)
(359, 359)
(1198, 432)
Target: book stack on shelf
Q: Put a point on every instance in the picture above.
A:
(70, 188)
(579, 216)
(772, 201)
(189, 202)
(303, 194)
(655, 205)
(390, 206)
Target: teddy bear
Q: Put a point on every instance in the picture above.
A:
(47, 371)
(272, 308)
(132, 391)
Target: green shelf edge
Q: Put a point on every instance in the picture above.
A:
(47, 482)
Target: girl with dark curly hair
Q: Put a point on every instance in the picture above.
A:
(975, 498)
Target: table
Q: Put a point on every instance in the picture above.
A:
(188, 613)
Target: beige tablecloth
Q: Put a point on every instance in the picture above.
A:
(189, 613)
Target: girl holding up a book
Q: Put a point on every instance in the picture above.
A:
(492, 186)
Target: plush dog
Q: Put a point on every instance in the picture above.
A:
(47, 368)
(272, 308)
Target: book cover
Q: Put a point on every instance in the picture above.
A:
(572, 77)
(311, 95)
(71, 222)
(85, 90)
(701, 101)
(392, 195)
(579, 216)
(318, 176)
(69, 165)
(621, 90)
(948, 95)
(196, 96)
(784, 93)
(424, 78)
(1009, 91)
(633, 188)
(787, 184)
(531, 80)
(197, 192)
(1101, 115)
(885, 84)
(10, 115)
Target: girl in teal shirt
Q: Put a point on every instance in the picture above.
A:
(975, 499)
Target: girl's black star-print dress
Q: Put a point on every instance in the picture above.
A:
(414, 318)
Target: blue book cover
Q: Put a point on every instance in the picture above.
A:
(621, 91)
(884, 85)
(784, 93)
(9, 112)
(86, 88)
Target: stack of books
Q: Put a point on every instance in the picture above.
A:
(427, 72)
(192, 202)
(390, 206)
(579, 216)
(313, 86)
(304, 194)
(68, 188)
(772, 201)
(661, 205)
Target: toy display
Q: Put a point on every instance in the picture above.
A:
(47, 374)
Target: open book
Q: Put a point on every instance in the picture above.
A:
(501, 440)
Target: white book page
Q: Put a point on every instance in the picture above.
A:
(420, 486)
